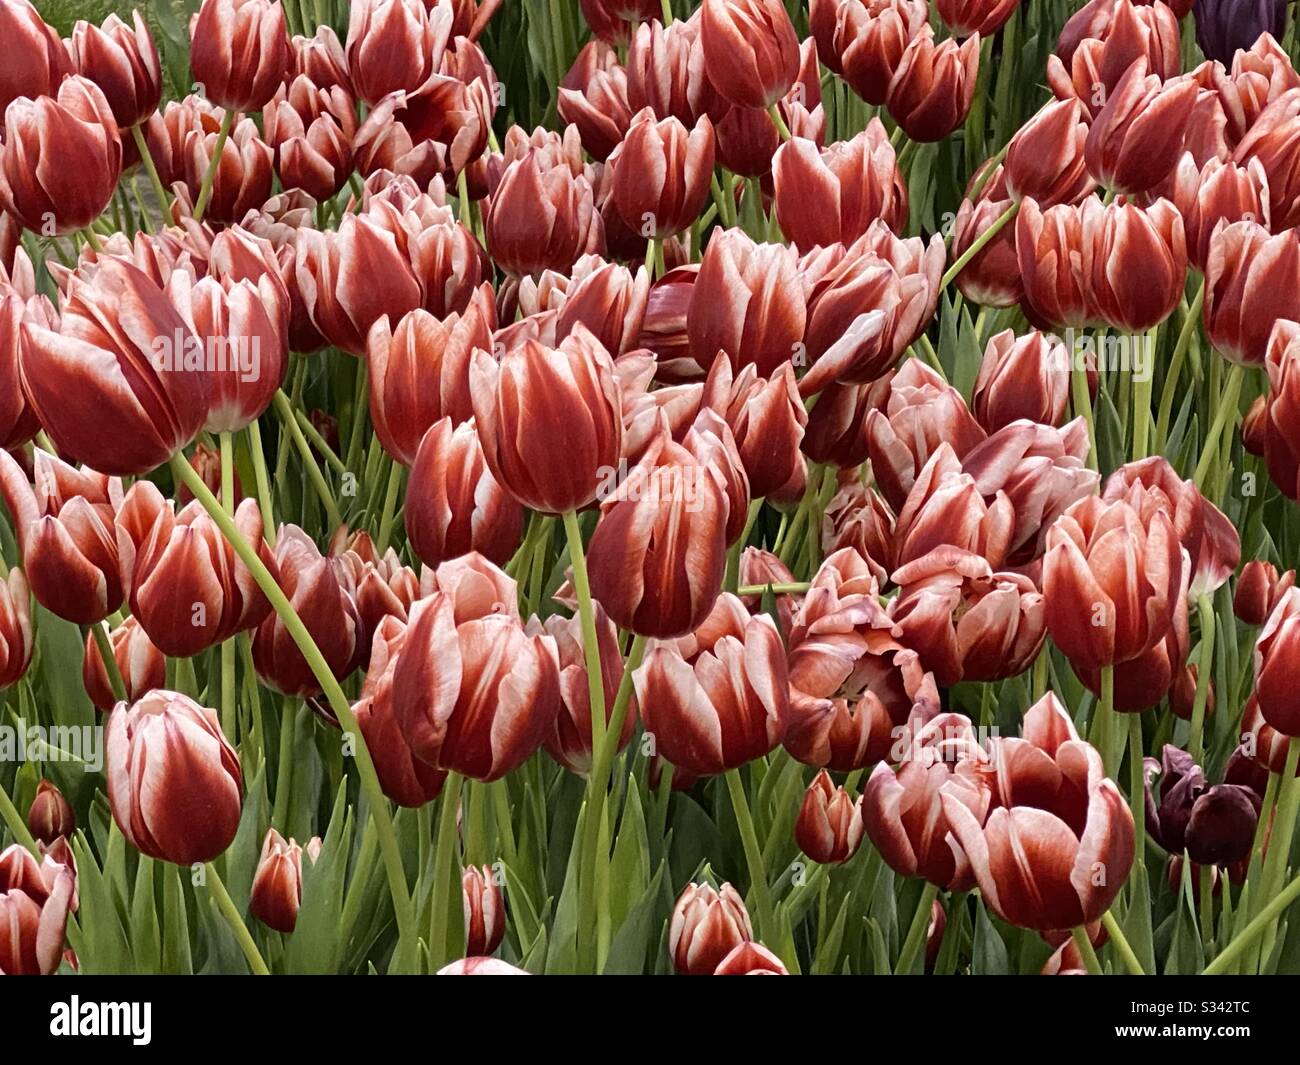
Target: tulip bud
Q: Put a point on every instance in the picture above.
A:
(751, 959)
(123, 61)
(869, 41)
(15, 628)
(1259, 587)
(1270, 139)
(395, 45)
(1224, 28)
(311, 130)
(34, 903)
(1251, 280)
(1022, 377)
(706, 926)
(595, 100)
(750, 48)
(321, 59)
(73, 134)
(857, 518)
(991, 277)
(1182, 694)
(1127, 247)
(1050, 247)
(946, 507)
(277, 884)
(239, 52)
(542, 217)
(1219, 192)
(1137, 137)
(829, 826)
(1102, 41)
(1276, 648)
(241, 181)
(766, 418)
(50, 815)
(143, 667)
(836, 432)
(1045, 159)
(605, 297)
(485, 918)
(609, 19)
(36, 60)
(982, 17)
(932, 88)
(174, 782)
(662, 173)
(1214, 824)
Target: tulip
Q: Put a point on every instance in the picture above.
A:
(1137, 137)
(1050, 247)
(1045, 159)
(1244, 264)
(15, 628)
(36, 61)
(705, 927)
(1111, 581)
(903, 811)
(661, 174)
(276, 892)
(394, 45)
(719, 697)
(321, 58)
(73, 133)
(857, 518)
(981, 17)
(174, 782)
(241, 180)
(869, 41)
(445, 120)
(829, 826)
(932, 88)
(1259, 588)
(965, 620)
(420, 372)
(836, 434)
(485, 919)
(481, 967)
(323, 596)
(946, 507)
(1135, 264)
(664, 326)
(748, 302)
(239, 52)
(991, 277)
(664, 66)
(1058, 843)
(1219, 191)
(751, 959)
(766, 418)
(474, 695)
(609, 19)
(206, 462)
(1021, 377)
(142, 666)
(448, 262)
(35, 899)
(64, 527)
(1271, 139)
(18, 422)
(542, 217)
(750, 48)
(123, 61)
(595, 99)
(1214, 824)
(831, 196)
(1275, 656)
(607, 298)
(1097, 56)
(403, 778)
(1222, 27)
(311, 130)
(1274, 426)
(50, 816)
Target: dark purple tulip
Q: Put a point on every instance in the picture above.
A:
(1223, 26)
(1214, 823)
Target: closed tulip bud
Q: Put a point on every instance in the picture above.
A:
(1219, 192)
(1135, 263)
(276, 892)
(18, 422)
(609, 19)
(1276, 648)
(123, 61)
(239, 52)
(311, 130)
(73, 133)
(991, 277)
(542, 217)
(946, 507)
(206, 462)
(174, 782)
(1111, 581)
(748, 302)
(1058, 845)
(833, 195)
(453, 503)
(1251, 280)
(35, 899)
(403, 778)
(322, 59)
(750, 48)
(594, 98)
(1104, 40)
(965, 620)
(870, 39)
(719, 697)
(766, 418)
(338, 276)
(705, 927)
(1224, 28)
(983, 17)
(395, 45)
(829, 826)
(50, 815)
(660, 73)
(1259, 587)
(836, 434)
(420, 372)
(661, 174)
(1137, 137)
(64, 527)
(37, 61)
(15, 628)
(1182, 693)
(535, 392)
(1050, 247)
(142, 666)
(751, 959)
(1045, 159)
(485, 916)
(242, 179)
(477, 695)
(922, 412)
(1022, 377)
(931, 91)
(323, 596)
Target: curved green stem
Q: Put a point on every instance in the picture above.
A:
(115, 682)
(205, 191)
(1258, 925)
(758, 886)
(442, 859)
(1195, 740)
(227, 907)
(977, 245)
(1127, 955)
(314, 474)
(1090, 960)
(1227, 412)
(390, 506)
(263, 481)
(146, 157)
(1174, 373)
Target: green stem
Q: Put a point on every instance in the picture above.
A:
(977, 245)
(1195, 740)
(320, 443)
(797, 588)
(1082, 399)
(1090, 959)
(228, 711)
(1121, 944)
(105, 645)
(314, 473)
(754, 859)
(774, 112)
(390, 506)
(1258, 925)
(263, 481)
(442, 859)
(1227, 411)
(227, 907)
(1142, 384)
(1174, 373)
(1137, 791)
(917, 930)
(146, 157)
(17, 826)
(205, 191)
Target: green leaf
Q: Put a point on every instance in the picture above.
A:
(632, 941)
(989, 953)
(315, 945)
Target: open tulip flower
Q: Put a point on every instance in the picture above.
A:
(714, 487)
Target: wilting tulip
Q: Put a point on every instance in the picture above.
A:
(485, 917)
(420, 372)
(1259, 588)
(661, 174)
(1111, 581)
(1045, 159)
(36, 60)
(1022, 377)
(123, 61)
(174, 782)
(15, 628)
(276, 892)
(982, 17)
(35, 899)
(717, 698)
(750, 48)
(1251, 280)
(477, 695)
(241, 181)
(1135, 264)
(1220, 192)
(1225, 26)
(142, 666)
(706, 926)
(73, 134)
(239, 52)
(1137, 137)
(1059, 839)
(50, 815)
(1050, 247)
(1214, 823)
(829, 826)
(830, 196)
(402, 777)
(751, 959)
(931, 91)
(323, 596)
(395, 44)
(64, 527)
(1276, 650)
(311, 130)
(542, 217)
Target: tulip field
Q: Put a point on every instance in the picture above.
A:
(609, 487)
